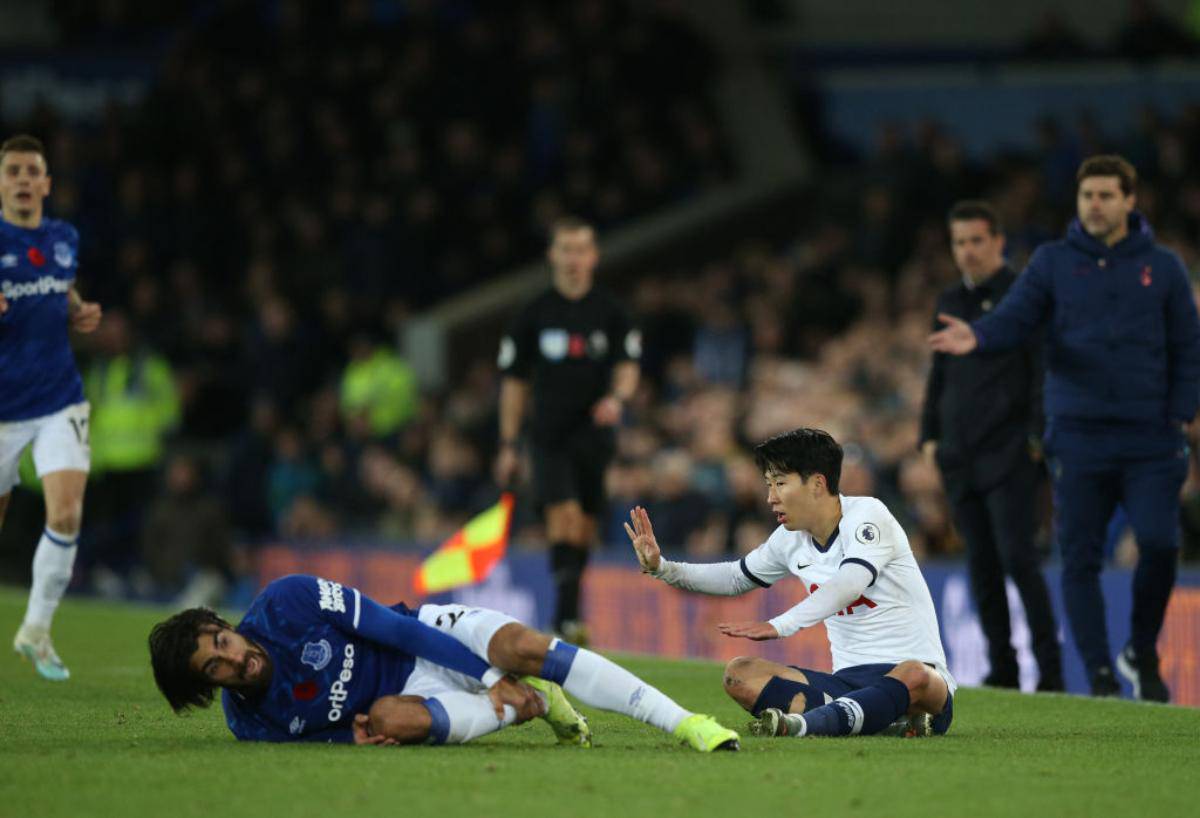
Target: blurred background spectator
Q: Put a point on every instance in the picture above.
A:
(271, 194)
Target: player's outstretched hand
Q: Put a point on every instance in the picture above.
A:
(642, 536)
(363, 735)
(87, 317)
(523, 698)
(956, 338)
(758, 631)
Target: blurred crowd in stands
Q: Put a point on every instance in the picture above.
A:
(829, 330)
(260, 229)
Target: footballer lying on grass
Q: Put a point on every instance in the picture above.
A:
(890, 671)
(315, 661)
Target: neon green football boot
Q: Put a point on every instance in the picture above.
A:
(703, 733)
(569, 725)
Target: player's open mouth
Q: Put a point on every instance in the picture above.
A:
(780, 517)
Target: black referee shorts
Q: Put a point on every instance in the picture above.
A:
(573, 470)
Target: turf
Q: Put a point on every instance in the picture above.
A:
(105, 744)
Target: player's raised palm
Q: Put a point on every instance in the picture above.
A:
(642, 536)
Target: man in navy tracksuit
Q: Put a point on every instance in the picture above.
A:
(1122, 384)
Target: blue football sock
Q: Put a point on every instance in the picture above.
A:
(861, 712)
(557, 664)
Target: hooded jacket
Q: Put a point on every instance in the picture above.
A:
(1122, 340)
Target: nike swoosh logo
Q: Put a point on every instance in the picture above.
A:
(802, 567)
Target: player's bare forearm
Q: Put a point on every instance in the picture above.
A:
(625, 380)
(757, 631)
(514, 394)
(608, 410)
(74, 301)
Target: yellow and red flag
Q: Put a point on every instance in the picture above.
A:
(469, 556)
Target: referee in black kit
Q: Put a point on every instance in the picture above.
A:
(574, 347)
(982, 423)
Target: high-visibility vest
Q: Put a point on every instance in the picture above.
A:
(385, 387)
(134, 404)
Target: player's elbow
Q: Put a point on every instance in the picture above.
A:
(66, 519)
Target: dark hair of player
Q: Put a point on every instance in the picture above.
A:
(172, 644)
(1109, 165)
(22, 143)
(969, 210)
(569, 224)
(803, 451)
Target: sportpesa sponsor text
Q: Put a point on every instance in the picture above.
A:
(42, 286)
(337, 691)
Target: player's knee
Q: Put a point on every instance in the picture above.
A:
(740, 680)
(403, 718)
(65, 520)
(914, 675)
(518, 649)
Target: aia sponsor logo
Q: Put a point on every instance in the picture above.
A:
(858, 603)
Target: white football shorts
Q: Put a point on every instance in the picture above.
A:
(474, 627)
(60, 442)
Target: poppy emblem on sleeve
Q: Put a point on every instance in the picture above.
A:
(1146, 279)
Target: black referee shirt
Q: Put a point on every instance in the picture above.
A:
(567, 349)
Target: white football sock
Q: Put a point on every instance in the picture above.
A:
(600, 683)
(52, 565)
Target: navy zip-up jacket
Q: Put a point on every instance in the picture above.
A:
(1122, 332)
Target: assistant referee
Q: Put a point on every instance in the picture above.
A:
(575, 349)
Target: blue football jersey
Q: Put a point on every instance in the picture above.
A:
(334, 652)
(38, 375)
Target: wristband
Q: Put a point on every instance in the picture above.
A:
(491, 676)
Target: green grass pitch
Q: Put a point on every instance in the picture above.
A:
(105, 744)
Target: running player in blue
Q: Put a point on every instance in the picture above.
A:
(41, 393)
(314, 660)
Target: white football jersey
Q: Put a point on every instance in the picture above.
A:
(894, 619)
